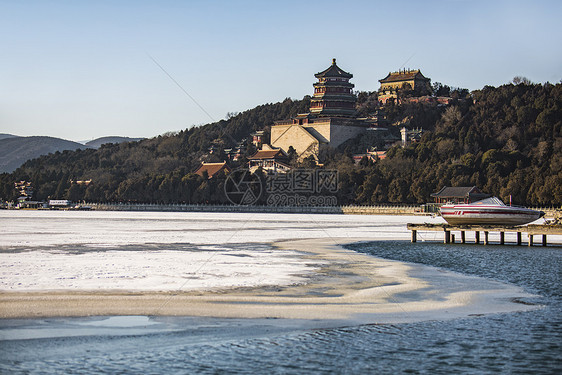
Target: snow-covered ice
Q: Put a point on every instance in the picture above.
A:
(104, 228)
(158, 251)
(166, 251)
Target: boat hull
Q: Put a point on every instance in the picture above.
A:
(471, 215)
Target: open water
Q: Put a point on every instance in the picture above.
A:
(511, 343)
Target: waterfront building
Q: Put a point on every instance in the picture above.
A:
(25, 189)
(59, 203)
(459, 195)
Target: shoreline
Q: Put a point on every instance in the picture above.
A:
(383, 209)
(347, 285)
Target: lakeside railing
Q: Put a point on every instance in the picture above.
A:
(390, 209)
(356, 210)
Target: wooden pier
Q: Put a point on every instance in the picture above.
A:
(531, 231)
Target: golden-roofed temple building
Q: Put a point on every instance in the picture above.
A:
(403, 79)
(212, 169)
(330, 122)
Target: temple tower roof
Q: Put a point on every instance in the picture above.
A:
(334, 71)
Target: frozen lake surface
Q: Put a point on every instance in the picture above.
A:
(43, 250)
(72, 250)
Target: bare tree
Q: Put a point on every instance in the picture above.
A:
(517, 80)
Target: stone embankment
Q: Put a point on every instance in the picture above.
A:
(352, 210)
(552, 214)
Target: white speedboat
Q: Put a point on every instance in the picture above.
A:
(489, 211)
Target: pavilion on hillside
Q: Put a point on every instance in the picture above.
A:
(212, 169)
(270, 160)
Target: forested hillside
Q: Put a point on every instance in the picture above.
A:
(152, 170)
(96, 143)
(505, 140)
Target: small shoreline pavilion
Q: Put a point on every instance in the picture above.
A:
(330, 121)
(459, 194)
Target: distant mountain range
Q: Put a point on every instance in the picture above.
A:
(15, 150)
(4, 135)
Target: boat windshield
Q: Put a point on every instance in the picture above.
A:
(495, 201)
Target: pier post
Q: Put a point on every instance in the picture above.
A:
(451, 236)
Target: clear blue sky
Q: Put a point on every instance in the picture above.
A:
(81, 69)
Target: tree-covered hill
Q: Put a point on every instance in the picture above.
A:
(505, 140)
(151, 170)
(96, 143)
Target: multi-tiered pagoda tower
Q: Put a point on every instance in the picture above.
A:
(330, 122)
(332, 93)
